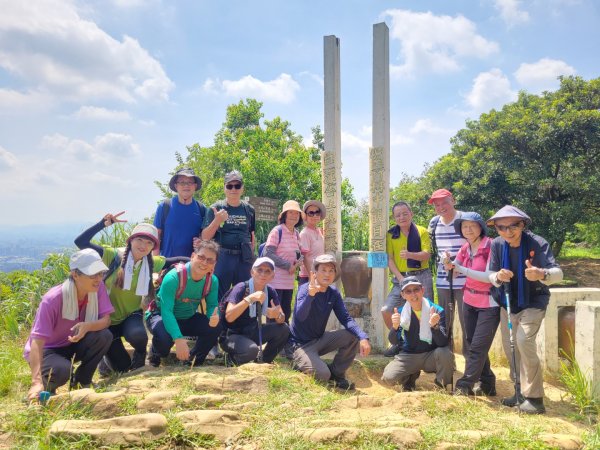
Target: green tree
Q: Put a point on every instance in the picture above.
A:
(540, 153)
(271, 156)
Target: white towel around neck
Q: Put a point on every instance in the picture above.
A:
(424, 328)
(143, 277)
(70, 308)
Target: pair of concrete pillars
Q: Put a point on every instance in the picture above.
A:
(379, 165)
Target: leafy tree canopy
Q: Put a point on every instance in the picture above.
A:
(540, 153)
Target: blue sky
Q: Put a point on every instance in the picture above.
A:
(96, 96)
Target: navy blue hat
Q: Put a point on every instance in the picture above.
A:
(509, 211)
(473, 217)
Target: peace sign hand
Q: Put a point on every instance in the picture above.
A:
(313, 285)
(109, 219)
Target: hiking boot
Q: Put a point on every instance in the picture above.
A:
(138, 359)
(104, 368)
(153, 358)
(532, 406)
(463, 390)
(515, 400)
(409, 386)
(392, 350)
(214, 353)
(485, 389)
(340, 382)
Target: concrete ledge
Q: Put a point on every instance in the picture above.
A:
(587, 340)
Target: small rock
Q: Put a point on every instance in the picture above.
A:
(562, 441)
(399, 436)
(127, 430)
(230, 383)
(222, 424)
(330, 434)
(158, 401)
(207, 400)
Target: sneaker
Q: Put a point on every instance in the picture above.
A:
(463, 390)
(138, 360)
(392, 350)
(341, 383)
(214, 353)
(153, 358)
(515, 400)
(532, 406)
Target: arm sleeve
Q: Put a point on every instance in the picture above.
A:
(344, 317)
(212, 299)
(476, 275)
(84, 239)
(548, 262)
(158, 217)
(168, 288)
(440, 334)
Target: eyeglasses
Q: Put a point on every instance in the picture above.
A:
(96, 276)
(513, 227)
(206, 260)
(411, 291)
(229, 187)
(186, 183)
(316, 212)
(260, 271)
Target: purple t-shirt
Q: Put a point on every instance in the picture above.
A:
(51, 327)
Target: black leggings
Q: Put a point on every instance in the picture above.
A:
(285, 300)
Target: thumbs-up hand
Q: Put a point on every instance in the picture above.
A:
(221, 215)
(396, 319)
(214, 319)
(434, 317)
(447, 261)
(257, 296)
(533, 273)
(313, 285)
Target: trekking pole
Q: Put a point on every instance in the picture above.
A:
(511, 336)
(259, 305)
(450, 316)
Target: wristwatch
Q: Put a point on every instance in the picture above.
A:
(546, 273)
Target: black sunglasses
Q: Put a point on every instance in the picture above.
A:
(233, 186)
(313, 213)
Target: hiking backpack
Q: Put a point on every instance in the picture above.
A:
(181, 285)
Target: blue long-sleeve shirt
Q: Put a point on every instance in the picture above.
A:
(311, 315)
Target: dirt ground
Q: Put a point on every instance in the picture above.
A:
(584, 271)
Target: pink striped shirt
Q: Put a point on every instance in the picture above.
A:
(286, 249)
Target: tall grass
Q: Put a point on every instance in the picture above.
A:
(580, 388)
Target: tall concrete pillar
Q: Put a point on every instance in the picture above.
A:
(331, 157)
(379, 177)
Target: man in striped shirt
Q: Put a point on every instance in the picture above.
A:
(445, 239)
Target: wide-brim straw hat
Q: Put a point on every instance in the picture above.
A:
(318, 204)
(290, 205)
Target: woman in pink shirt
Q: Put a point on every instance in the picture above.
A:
(283, 247)
(481, 314)
(311, 237)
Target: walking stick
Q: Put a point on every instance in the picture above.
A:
(259, 305)
(450, 323)
(512, 341)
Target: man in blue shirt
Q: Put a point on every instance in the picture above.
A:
(314, 302)
(179, 219)
(420, 326)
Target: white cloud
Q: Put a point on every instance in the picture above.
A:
(430, 43)
(128, 3)
(510, 12)
(542, 75)
(426, 126)
(47, 44)
(281, 90)
(103, 178)
(354, 144)
(98, 113)
(490, 90)
(7, 160)
(109, 148)
(12, 101)
(313, 76)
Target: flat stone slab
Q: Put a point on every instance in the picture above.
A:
(225, 425)
(208, 400)
(360, 401)
(562, 441)
(342, 434)
(158, 401)
(399, 436)
(105, 404)
(127, 430)
(229, 383)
